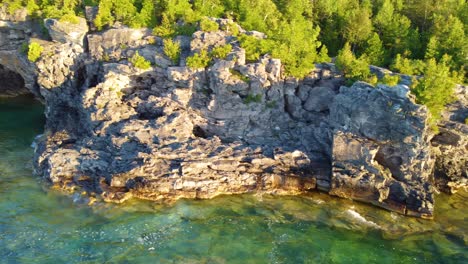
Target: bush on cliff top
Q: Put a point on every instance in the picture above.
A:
(199, 60)
(208, 25)
(34, 51)
(172, 50)
(405, 35)
(221, 52)
(139, 61)
(354, 68)
(436, 87)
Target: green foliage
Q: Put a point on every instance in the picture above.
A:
(32, 7)
(13, 5)
(239, 75)
(199, 60)
(435, 89)
(253, 98)
(374, 50)
(70, 18)
(358, 27)
(172, 50)
(254, 47)
(185, 29)
(208, 25)
(296, 45)
(221, 52)
(146, 17)
(232, 28)
(407, 66)
(24, 48)
(354, 68)
(448, 37)
(34, 51)
(390, 80)
(271, 104)
(140, 62)
(211, 8)
(104, 16)
(299, 32)
(166, 29)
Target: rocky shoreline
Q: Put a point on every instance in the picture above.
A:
(172, 132)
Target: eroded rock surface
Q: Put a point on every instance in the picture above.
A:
(451, 145)
(381, 149)
(67, 32)
(173, 132)
(17, 74)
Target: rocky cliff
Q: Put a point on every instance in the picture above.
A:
(173, 132)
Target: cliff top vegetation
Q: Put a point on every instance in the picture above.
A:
(424, 37)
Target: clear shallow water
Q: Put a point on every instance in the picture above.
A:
(40, 225)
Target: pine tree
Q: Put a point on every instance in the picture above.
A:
(374, 50)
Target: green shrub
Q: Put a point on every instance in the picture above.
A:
(208, 25)
(407, 66)
(271, 104)
(186, 30)
(233, 28)
(353, 68)
(34, 51)
(253, 98)
(106, 57)
(172, 50)
(24, 48)
(199, 60)
(390, 80)
(239, 75)
(435, 89)
(254, 47)
(139, 61)
(166, 29)
(221, 52)
(70, 18)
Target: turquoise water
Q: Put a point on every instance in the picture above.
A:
(42, 225)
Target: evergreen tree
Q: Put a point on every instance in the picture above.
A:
(374, 50)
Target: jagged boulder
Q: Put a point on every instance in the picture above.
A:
(381, 149)
(67, 32)
(451, 145)
(17, 74)
(113, 44)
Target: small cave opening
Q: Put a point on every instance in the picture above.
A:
(20, 109)
(199, 132)
(11, 83)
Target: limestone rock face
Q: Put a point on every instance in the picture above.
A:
(112, 44)
(172, 132)
(12, 83)
(381, 149)
(451, 145)
(17, 73)
(67, 32)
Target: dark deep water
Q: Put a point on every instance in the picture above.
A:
(40, 225)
